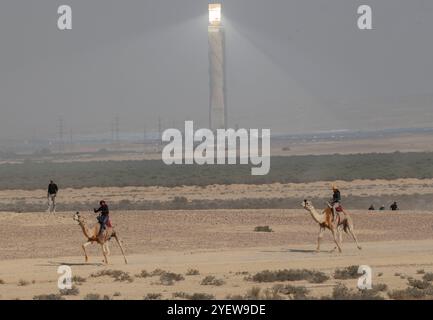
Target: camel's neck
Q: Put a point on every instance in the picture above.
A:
(319, 218)
(85, 231)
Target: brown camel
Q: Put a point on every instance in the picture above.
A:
(325, 221)
(92, 236)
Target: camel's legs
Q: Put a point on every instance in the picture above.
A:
(84, 249)
(107, 248)
(121, 248)
(105, 255)
(335, 239)
(340, 237)
(319, 238)
(352, 233)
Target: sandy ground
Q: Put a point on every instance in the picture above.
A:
(320, 189)
(220, 243)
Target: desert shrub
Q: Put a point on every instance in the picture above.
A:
(380, 287)
(157, 272)
(419, 284)
(143, 274)
(74, 291)
(192, 272)
(78, 280)
(117, 275)
(152, 296)
(341, 292)
(350, 272)
(294, 293)
(51, 296)
(194, 296)
(96, 296)
(428, 276)
(212, 281)
(263, 229)
(22, 283)
(290, 275)
(409, 293)
(169, 278)
(2, 281)
(253, 293)
(420, 271)
(117, 294)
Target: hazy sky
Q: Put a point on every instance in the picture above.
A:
(292, 65)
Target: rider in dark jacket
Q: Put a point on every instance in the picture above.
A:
(336, 199)
(103, 217)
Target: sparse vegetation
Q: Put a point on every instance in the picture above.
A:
(74, 291)
(263, 229)
(143, 274)
(420, 271)
(169, 278)
(22, 283)
(419, 284)
(410, 293)
(154, 173)
(152, 296)
(2, 281)
(294, 293)
(341, 292)
(212, 281)
(78, 280)
(428, 277)
(350, 272)
(192, 272)
(290, 275)
(51, 296)
(117, 275)
(96, 296)
(194, 296)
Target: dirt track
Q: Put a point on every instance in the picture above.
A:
(216, 242)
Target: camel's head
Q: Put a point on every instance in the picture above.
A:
(77, 217)
(306, 205)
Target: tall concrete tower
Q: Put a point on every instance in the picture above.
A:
(217, 72)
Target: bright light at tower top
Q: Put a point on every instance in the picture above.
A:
(215, 14)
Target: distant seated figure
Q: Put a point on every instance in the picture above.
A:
(371, 208)
(382, 208)
(394, 206)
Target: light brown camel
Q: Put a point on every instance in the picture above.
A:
(325, 221)
(92, 236)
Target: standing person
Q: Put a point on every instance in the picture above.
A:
(336, 201)
(103, 217)
(394, 206)
(52, 194)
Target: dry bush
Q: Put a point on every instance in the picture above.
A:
(212, 281)
(428, 276)
(341, 292)
(117, 275)
(96, 296)
(290, 275)
(169, 278)
(194, 296)
(192, 272)
(263, 229)
(22, 283)
(78, 280)
(74, 291)
(350, 272)
(152, 296)
(51, 296)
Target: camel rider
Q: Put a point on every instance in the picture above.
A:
(103, 216)
(336, 202)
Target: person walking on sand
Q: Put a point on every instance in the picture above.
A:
(52, 194)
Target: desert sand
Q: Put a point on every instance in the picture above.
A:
(220, 243)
